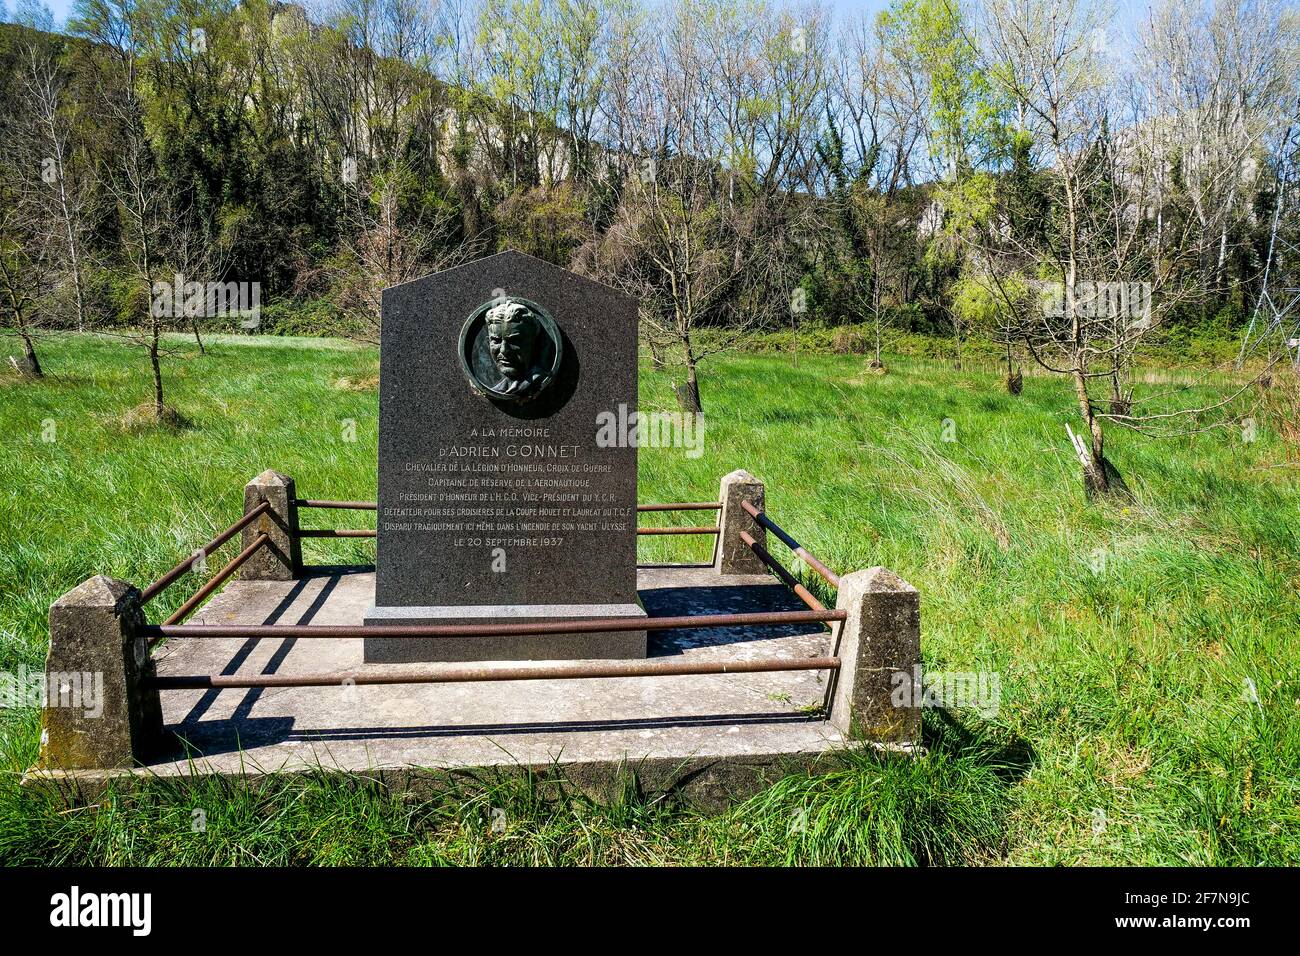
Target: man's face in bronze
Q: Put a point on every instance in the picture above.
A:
(512, 334)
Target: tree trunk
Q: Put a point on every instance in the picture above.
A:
(688, 395)
(74, 256)
(31, 364)
(1092, 450)
(160, 410)
(1119, 402)
(81, 298)
(1100, 478)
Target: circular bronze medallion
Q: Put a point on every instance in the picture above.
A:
(510, 349)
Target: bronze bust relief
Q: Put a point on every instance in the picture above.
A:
(510, 349)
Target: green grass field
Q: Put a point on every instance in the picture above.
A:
(1147, 654)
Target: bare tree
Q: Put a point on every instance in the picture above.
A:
(1217, 75)
(60, 208)
(1109, 274)
(876, 113)
(30, 247)
(719, 115)
(22, 284)
(1046, 58)
(383, 247)
(146, 210)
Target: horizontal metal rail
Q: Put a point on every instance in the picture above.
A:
(683, 506)
(354, 505)
(218, 579)
(374, 505)
(830, 576)
(676, 530)
(779, 570)
(461, 675)
(497, 629)
(365, 533)
(170, 578)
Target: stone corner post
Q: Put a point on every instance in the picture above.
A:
(281, 558)
(731, 555)
(877, 693)
(98, 711)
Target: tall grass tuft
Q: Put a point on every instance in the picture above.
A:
(947, 807)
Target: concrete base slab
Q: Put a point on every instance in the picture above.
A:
(607, 645)
(713, 737)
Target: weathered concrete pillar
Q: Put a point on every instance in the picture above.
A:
(98, 714)
(876, 696)
(731, 555)
(281, 559)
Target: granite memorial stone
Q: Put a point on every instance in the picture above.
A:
(497, 501)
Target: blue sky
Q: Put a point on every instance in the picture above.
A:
(60, 8)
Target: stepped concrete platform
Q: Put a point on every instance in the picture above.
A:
(713, 738)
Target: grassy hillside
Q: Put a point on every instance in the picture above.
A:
(1147, 655)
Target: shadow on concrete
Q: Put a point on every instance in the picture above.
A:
(243, 731)
(722, 599)
(227, 736)
(273, 665)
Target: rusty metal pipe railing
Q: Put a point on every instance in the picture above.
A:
(354, 505)
(676, 530)
(373, 505)
(498, 629)
(683, 506)
(336, 533)
(218, 579)
(172, 576)
(460, 675)
(779, 570)
(827, 574)
(364, 533)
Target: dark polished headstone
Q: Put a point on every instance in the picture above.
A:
(495, 500)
